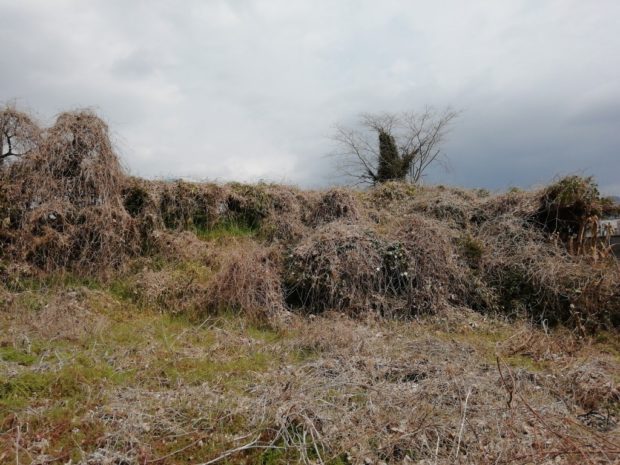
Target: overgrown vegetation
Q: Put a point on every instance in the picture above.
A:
(177, 322)
(90, 378)
(395, 249)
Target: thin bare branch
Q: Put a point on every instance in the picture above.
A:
(418, 137)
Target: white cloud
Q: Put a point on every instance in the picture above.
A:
(249, 89)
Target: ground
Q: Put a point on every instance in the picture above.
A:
(88, 376)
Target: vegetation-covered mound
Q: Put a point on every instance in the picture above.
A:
(396, 249)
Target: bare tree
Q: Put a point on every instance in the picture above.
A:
(392, 146)
(19, 135)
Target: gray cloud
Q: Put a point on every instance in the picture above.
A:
(249, 89)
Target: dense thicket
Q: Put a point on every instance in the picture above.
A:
(66, 205)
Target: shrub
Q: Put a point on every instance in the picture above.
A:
(185, 205)
(180, 289)
(66, 195)
(392, 191)
(249, 282)
(471, 249)
(335, 204)
(67, 205)
(353, 269)
(249, 205)
(534, 275)
(344, 267)
(566, 205)
(439, 278)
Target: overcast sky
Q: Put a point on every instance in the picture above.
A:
(250, 89)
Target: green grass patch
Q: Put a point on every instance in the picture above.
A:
(523, 361)
(19, 356)
(176, 291)
(275, 456)
(263, 334)
(280, 455)
(73, 381)
(30, 301)
(305, 354)
(486, 344)
(609, 342)
(122, 289)
(62, 280)
(17, 391)
(225, 229)
(234, 372)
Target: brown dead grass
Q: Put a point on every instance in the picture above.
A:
(66, 316)
(422, 400)
(182, 246)
(437, 274)
(336, 204)
(249, 281)
(531, 271)
(339, 266)
(398, 250)
(324, 389)
(175, 291)
(64, 198)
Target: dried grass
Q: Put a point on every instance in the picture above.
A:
(68, 315)
(344, 267)
(330, 389)
(287, 217)
(181, 246)
(592, 385)
(175, 291)
(66, 200)
(534, 274)
(185, 205)
(368, 400)
(249, 282)
(336, 390)
(399, 250)
(434, 266)
(352, 268)
(451, 206)
(516, 203)
(336, 204)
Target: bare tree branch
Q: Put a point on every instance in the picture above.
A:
(18, 134)
(418, 137)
